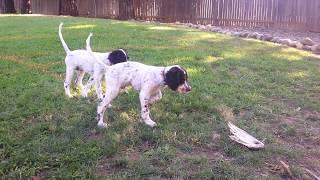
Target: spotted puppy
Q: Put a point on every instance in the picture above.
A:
(148, 80)
(82, 62)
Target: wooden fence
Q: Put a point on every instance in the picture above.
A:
(286, 14)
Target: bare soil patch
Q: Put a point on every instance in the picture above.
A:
(299, 129)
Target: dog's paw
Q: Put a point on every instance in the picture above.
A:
(84, 94)
(109, 106)
(102, 125)
(100, 97)
(150, 123)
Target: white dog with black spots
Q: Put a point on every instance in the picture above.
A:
(82, 62)
(147, 80)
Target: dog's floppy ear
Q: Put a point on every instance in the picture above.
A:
(175, 77)
(126, 51)
(117, 56)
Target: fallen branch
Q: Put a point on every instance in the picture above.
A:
(312, 174)
(286, 167)
(244, 138)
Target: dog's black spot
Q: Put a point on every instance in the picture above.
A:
(127, 65)
(79, 68)
(175, 77)
(66, 85)
(118, 56)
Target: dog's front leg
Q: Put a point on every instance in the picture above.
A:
(111, 93)
(78, 81)
(145, 113)
(156, 97)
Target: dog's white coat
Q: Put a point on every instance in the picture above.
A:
(82, 62)
(148, 80)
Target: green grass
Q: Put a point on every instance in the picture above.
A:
(257, 85)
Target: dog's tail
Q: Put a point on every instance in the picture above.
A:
(65, 47)
(88, 47)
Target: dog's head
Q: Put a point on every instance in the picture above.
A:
(118, 56)
(177, 79)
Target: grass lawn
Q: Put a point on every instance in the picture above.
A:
(269, 90)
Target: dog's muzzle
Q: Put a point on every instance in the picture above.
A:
(187, 89)
(184, 88)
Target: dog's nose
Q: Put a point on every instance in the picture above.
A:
(188, 88)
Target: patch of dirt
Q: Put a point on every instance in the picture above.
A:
(210, 152)
(289, 170)
(113, 165)
(229, 114)
(226, 112)
(278, 166)
(299, 129)
(43, 174)
(94, 135)
(294, 127)
(107, 167)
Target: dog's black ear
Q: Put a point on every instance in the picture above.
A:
(175, 77)
(126, 51)
(117, 56)
(185, 73)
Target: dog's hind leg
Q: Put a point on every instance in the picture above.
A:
(67, 82)
(78, 81)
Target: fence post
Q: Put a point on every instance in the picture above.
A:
(9, 6)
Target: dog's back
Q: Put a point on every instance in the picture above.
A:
(132, 73)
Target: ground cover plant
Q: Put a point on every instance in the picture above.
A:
(271, 91)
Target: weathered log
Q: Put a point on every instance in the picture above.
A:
(244, 138)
